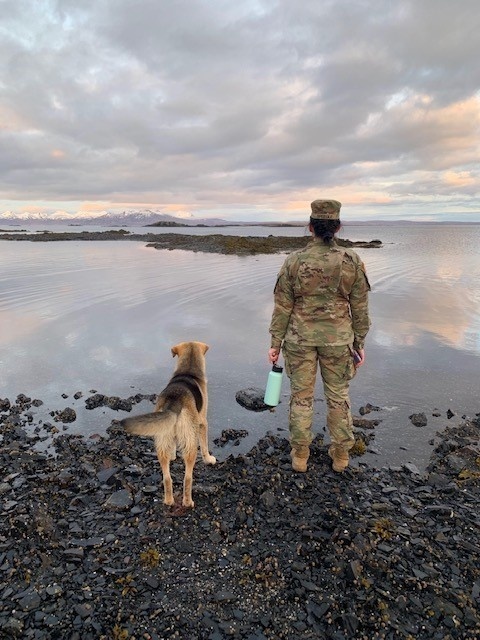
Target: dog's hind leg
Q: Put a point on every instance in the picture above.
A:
(203, 440)
(189, 458)
(164, 459)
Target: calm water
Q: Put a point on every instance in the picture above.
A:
(80, 316)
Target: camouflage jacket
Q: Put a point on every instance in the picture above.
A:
(321, 298)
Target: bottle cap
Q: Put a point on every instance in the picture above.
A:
(277, 369)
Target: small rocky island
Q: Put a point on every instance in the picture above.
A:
(210, 243)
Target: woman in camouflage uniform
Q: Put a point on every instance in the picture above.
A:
(321, 318)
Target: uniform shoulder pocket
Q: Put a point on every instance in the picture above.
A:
(276, 283)
(364, 271)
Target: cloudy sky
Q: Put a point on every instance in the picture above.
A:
(246, 110)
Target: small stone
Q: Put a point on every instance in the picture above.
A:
(418, 419)
(13, 628)
(456, 463)
(440, 509)
(318, 610)
(76, 553)
(354, 570)
(411, 468)
(224, 596)
(152, 582)
(119, 500)
(83, 610)
(350, 623)
(368, 408)
(118, 404)
(149, 488)
(67, 415)
(30, 602)
(97, 400)
(268, 499)
(437, 479)
(105, 475)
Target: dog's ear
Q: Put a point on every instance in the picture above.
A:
(201, 346)
(174, 351)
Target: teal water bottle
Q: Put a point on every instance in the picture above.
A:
(274, 386)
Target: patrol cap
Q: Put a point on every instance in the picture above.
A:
(326, 210)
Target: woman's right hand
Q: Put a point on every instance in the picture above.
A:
(273, 355)
(361, 353)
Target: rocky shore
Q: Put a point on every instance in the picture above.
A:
(89, 551)
(211, 243)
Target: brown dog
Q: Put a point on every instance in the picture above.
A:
(180, 418)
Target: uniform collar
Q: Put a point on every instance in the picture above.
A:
(320, 243)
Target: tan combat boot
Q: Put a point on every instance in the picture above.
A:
(300, 457)
(339, 458)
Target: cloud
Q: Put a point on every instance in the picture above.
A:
(200, 105)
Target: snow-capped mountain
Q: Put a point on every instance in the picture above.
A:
(104, 218)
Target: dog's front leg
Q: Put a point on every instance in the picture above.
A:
(164, 459)
(203, 440)
(189, 459)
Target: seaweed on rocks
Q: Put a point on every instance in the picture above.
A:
(231, 436)
(210, 243)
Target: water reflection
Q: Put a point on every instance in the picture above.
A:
(424, 290)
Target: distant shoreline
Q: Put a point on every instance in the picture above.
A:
(211, 243)
(347, 222)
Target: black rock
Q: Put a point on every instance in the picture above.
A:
(230, 435)
(252, 399)
(67, 415)
(105, 475)
(418, 419)
(118, 404)
(119, 500)
(368, 408)
(95, 401)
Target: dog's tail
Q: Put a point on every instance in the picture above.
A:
(150, 424)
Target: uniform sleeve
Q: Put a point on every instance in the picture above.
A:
(359, 306)
(283, 306)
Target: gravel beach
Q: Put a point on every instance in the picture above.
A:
(89, 551)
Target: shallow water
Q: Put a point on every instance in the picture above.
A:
(78, 316)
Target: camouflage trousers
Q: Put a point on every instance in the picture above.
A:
(336, 369)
